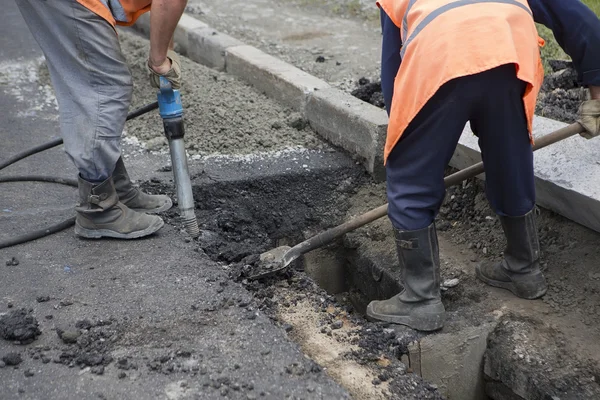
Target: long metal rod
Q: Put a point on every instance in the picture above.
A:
(328, 236)
(183, 183)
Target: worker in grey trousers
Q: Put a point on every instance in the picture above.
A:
(93, 88)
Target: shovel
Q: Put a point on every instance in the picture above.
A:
(277, 259)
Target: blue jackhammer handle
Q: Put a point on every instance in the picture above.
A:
(169, 100)
(165, 85)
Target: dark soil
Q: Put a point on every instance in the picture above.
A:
(19, 326)
(370, 92)
(559, 98)
(244, 218)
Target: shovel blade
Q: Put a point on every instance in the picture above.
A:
(271, 262)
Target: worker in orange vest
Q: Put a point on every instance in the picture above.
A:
(93, 88)
(446, 63)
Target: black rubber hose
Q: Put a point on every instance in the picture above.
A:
(142, 110)
(31, 151)
(28, 237)
(39, 178)
(57, 142)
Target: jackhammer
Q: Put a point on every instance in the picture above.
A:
(171, 111)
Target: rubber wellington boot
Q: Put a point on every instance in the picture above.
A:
(419, 305)
(100, 214)
(519, 271)
(134, 198)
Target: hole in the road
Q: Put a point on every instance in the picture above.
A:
(241, 218)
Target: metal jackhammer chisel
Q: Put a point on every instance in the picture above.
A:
(171, 112)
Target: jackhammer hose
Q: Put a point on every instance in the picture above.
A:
(27, 237)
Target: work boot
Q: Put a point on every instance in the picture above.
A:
(519, 271)
(101, 214)
(419, 305)
(134, 198)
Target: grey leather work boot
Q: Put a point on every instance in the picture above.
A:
(100, 214)
(419, 305)
(519, 271)
(133, 197)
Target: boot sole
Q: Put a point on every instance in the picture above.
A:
(100, 233)
(163, 208)
(509, 286)
(432, 318)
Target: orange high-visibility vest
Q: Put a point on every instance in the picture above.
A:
(443, 40)
(127, 13)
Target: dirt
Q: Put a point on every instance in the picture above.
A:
(566, 249)
(561, 94)
(521, 347)
(562, 325)
(224, 115)
(19, 326)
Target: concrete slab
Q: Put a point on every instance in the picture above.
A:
(277, 79)
(352, 124)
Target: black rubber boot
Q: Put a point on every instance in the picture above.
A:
(134, 198)
(100, 214)
(419, 305)
(519, 271)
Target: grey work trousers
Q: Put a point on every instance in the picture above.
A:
(91, 79)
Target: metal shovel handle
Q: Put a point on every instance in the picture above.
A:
(329, 235)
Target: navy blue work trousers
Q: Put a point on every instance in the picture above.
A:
(492, 101)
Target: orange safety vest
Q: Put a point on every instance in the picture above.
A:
(127, 11)
(443, 40)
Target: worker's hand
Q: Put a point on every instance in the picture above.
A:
(589, 118)
(170, 69)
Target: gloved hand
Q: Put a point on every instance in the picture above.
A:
(173, 75)
(589, 118)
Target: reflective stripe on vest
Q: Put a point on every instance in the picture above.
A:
(436, 13)
(405, 19)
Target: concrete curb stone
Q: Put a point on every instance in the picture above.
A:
(567, 175)
(352, 124)
(209, 47)
(277, 79)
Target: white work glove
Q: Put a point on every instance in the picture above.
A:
(173, 75)
(589, 118)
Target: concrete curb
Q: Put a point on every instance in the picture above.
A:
(567, 174)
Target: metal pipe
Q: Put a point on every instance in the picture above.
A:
(185, 197)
